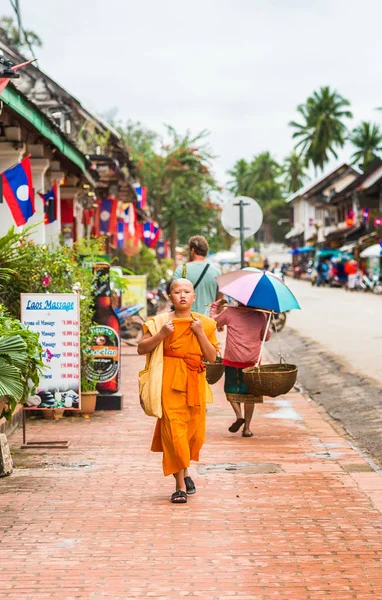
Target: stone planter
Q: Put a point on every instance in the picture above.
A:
(88, 403)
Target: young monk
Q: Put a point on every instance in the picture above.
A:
(188, 339)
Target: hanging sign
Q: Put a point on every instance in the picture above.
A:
(56, 318)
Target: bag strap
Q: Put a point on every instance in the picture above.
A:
(202, 275)
(184, 272)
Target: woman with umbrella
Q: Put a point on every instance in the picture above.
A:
(246, 329)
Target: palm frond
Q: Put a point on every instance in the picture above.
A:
(10, 380)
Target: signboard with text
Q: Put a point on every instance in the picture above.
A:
(56, 318)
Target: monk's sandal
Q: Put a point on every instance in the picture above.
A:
(190, 486)
(179, 497)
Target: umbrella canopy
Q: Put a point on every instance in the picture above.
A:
(258, 290)
(372, 251)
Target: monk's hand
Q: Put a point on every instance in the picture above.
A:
(167, 329)
(197, 327)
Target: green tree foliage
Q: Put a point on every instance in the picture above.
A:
(322, 129)
(261, 179)
(21, 40)
(258, 179)
(294, 172)
(178, 176)
(367, 139)
(239, 182)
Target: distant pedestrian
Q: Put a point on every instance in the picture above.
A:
(245, 332)
(201, 273)
(351, 270)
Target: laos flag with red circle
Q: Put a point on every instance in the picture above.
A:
(18, 191)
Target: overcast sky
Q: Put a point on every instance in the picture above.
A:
(235, 67)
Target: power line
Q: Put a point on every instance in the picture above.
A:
(16, 7)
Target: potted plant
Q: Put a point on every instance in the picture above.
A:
(88, 386)
(20, 363)
(88, 395)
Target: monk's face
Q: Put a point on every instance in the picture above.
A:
(182, 294)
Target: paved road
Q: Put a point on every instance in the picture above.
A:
(336, 341)
(348, 325)
(293, 513)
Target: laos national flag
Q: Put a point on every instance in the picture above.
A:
(18, 191)
(141, 197)
(108, 216)
(50, 204)
(151, 233)
(121, 234)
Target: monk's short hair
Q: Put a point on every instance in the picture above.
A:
(180, 280)
(199, 244)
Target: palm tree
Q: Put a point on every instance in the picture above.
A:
(367, 138)
(238, 185)
(263, 179)
(294, 171)
(322, 129)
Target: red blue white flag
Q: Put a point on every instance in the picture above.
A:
(121, 233)
(108, 216)
(18, 191)
(50, 204)
(151, 233)
(141, 193)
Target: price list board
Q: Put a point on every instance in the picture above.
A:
(56, 318)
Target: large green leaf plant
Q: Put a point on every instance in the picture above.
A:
(20, 362)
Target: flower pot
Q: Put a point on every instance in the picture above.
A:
(47, 413)
(58, 413)
(88, 403)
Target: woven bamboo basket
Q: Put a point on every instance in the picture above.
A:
(214, 371)
(270, 380)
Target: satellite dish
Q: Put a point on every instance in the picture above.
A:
(252, 216)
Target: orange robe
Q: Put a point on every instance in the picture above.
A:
(180, 433)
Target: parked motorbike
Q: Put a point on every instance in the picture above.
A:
(131, 323)
(373, 284)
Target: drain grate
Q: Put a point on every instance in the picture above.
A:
(244, 467)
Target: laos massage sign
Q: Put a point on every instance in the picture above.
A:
(55, 317)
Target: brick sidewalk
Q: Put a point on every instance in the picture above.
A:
(298, 518)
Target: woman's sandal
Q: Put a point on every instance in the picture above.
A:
(245, 434)
(190, 486)
(236, 425)
(179, 497)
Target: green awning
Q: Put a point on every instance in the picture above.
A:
(33, 115)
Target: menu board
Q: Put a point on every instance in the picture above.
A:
(56, 318)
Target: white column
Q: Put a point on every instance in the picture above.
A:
(39, 166)
(10, 155)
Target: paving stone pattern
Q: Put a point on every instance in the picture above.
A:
(348, 397)
(94, 521)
